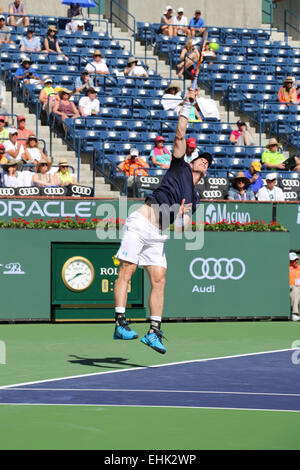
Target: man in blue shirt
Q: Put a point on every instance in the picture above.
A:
(253, 175)
(29, 42)
(143, 242)
(26, 71)
(197, 27)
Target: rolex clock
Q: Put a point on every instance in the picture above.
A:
(78, 274)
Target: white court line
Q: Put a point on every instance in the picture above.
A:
(203, 392)
(146, 367)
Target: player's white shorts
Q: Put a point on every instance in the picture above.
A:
(142, 242)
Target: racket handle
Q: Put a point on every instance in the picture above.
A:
(194, 86)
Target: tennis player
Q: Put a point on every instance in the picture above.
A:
(143, 240)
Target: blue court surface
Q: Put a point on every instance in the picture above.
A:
(260, 381)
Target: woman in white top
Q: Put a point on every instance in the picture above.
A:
(12, 178)
(42, 178)
(98, 65)
(32, 151)
(89, 105)
(135, 70)
(172, 99)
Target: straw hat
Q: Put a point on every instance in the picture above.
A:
(12, 162)
(64, 90)
(97, 52)
(63, 162)
(172, 85)
(272, 142)
(240, 176)
(289, 80)
(131, 60)
(41, 162)
(52, 28)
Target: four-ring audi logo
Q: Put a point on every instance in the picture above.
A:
(217, 181)
(212, 268)
(290, 195)
(7, 191)
(29, 191)
(83, 190)
(290, 183)
(149, 179)
(212, 194)
(54, 191)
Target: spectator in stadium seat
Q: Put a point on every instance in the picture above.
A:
(51, 45)
(191, 149)
(13, 149)
(270, 192)
(75, 25)
(84, 82)
(242, 136)
(166, 22)
(98, 65)
(89, 105)
(287, 93)
(134, 166)
(17, 14)
(160, 155)
(189, 57)
(198, 28)
(240, 189)
(23, 133)
(3, 158)
(253, 175)
(30, 43)
(33, 153)
(4, 134)
(207, 54)
(64, 107)
(48, 94)
(74, 10)
(63, 176)
(172, 98)
(42, 177)
(271, 158)
(12, 177)
(180, 24)
(294, 274)
(134, 70)
(4, 31)
(26, 72)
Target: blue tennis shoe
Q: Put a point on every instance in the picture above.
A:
(123, 331)
(153, 340)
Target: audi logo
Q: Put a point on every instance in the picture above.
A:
(217, 181)
(290, 195)
(212, 194)
(149, 179)
(290, 183)
(7, 191)
(54, 191)
(28, 191)
(212, 268)
(83, 190)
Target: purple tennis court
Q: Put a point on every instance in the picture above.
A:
(262, 381)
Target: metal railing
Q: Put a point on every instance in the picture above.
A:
(127, 14)
(287, 23)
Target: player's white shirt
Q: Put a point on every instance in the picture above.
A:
(265, 194)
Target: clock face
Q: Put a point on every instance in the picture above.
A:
(78, 274)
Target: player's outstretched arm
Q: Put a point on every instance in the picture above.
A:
(179, 142)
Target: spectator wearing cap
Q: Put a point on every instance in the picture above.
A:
(287, 93)
(160, 155)
(13, 178)
(242, 136)
(63, 176)
(98, 65)
(253, 174)
(166, 22)
(294, 275)
(4, 31)
(172, 98)
(42, 177)
(134, 70)
(84, 82)
(33, 153)
(48, 95)
(30, 43)
(3, 158)
(17, 14)
(13, 149)
(271, 158)
(51, 45)
(25, 71)
(74, 10)
(198, 28)
(191, 150)
(240, 189)
(133, 166)
(189, 56)
(270, 192)
(4, 134)
(23, 132)
(89, 105)
(180, 24)
(64, 107)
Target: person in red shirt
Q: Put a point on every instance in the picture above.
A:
(294, 285)
(23, 133)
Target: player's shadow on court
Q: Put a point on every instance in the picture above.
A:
(101, 362)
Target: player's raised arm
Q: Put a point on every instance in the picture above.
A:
(179, 142)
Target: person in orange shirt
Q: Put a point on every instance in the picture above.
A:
(294, 285)
(134, 166)
(3, 158)
(23, 133)
(287, 93)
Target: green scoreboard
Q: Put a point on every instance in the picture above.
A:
(83, 279)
